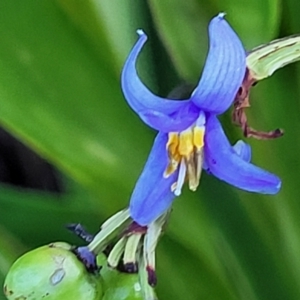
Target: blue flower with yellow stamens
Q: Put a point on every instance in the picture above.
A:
(190, 136)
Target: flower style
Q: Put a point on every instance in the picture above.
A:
(190, 136)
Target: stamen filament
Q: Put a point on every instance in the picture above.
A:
(130, 251)
(174, 158)
(191, 171)
(199, 163)
(116, 253)
(181, 177)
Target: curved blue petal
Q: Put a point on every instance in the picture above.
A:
(243, 150)
(177, 121)
(152, 194)
(223, 162)
(224, 69)
(138, 96)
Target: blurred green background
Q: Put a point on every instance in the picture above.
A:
(60, 64)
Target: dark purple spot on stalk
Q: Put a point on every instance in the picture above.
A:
(152, 279)
(120, 267)
(131, 267)
(87, 257)
(213, 161)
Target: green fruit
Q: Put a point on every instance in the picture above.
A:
(51, 272)
(107, 274)
(123, 287)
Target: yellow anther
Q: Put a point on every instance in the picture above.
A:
(171, 168)
(172, 144)
(198, 137)
(185, 151)
(186, 146)
(174, 157)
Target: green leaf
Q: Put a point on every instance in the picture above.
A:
(11, 248)
(255, 21)
(73, 100)
(182, 26)
(291, 9)
(107, 25)
(39, 218)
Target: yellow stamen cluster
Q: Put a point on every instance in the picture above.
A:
(186, 147)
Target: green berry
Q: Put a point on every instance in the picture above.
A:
(107, 274)
(51, 272)
(123, 287)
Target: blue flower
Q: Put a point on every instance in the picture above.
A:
(190, 136)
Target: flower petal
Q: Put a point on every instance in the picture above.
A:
(224, 69)
(243, 150)
(178, 121)
(223, 162)
(138, 96)
(152, 194)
